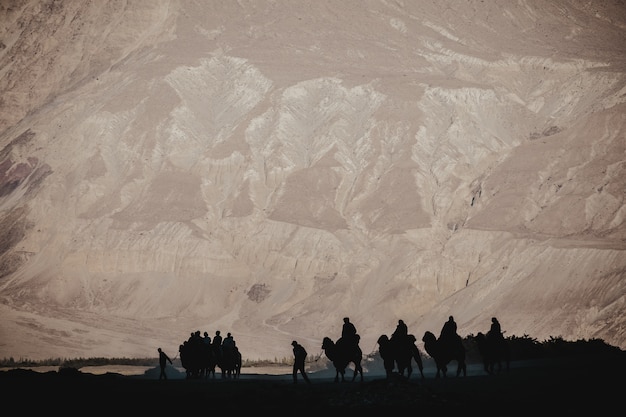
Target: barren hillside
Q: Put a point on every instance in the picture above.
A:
(268, 167)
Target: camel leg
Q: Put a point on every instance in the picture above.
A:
(358, 370)
(461, 368)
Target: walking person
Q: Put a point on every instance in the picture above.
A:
(299, 354)
(163, 359)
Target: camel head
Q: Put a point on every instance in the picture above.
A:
(429, 337)
(327, 343)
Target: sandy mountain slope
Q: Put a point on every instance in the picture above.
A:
(268, 167)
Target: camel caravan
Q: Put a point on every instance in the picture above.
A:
(399, 351)
(201, 355)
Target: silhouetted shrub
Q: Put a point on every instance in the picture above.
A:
(522, 348)
(69, 371)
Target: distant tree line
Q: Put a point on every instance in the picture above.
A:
(522, 348)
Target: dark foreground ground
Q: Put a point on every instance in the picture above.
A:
(577, 385)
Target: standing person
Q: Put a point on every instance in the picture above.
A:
(217, 347)
(299, 354)
(163, 359)
(228, 342)
(217, 339)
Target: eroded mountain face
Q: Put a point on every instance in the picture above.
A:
(267, 168)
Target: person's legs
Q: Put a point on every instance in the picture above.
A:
(300, 369)
(304, 375)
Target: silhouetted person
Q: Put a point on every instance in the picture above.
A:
(163, 359)
(217, 347)
(217, 339)
(228, 355)
(448, 331)
(299, 354)
(228, 342)
(348, 332)
(401, 331)
(495, 332)
(182, 355)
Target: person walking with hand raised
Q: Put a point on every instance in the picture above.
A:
(163, 359)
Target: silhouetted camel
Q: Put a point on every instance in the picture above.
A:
(444, 352)
(230, 362)
(494, 351)
(406, 352)
(341, 354)
(208, 361)
(192, 358)
(399, 352)
(385, 351)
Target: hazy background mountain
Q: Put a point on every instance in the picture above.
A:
(268, 167)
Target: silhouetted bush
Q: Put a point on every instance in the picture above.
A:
(522, 348)
(69, 371)
(527, 348)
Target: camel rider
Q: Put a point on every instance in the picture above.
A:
(448, 331)
(495, 332)
(348, 332)
(401, 331)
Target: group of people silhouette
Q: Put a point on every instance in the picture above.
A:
(200, 355)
